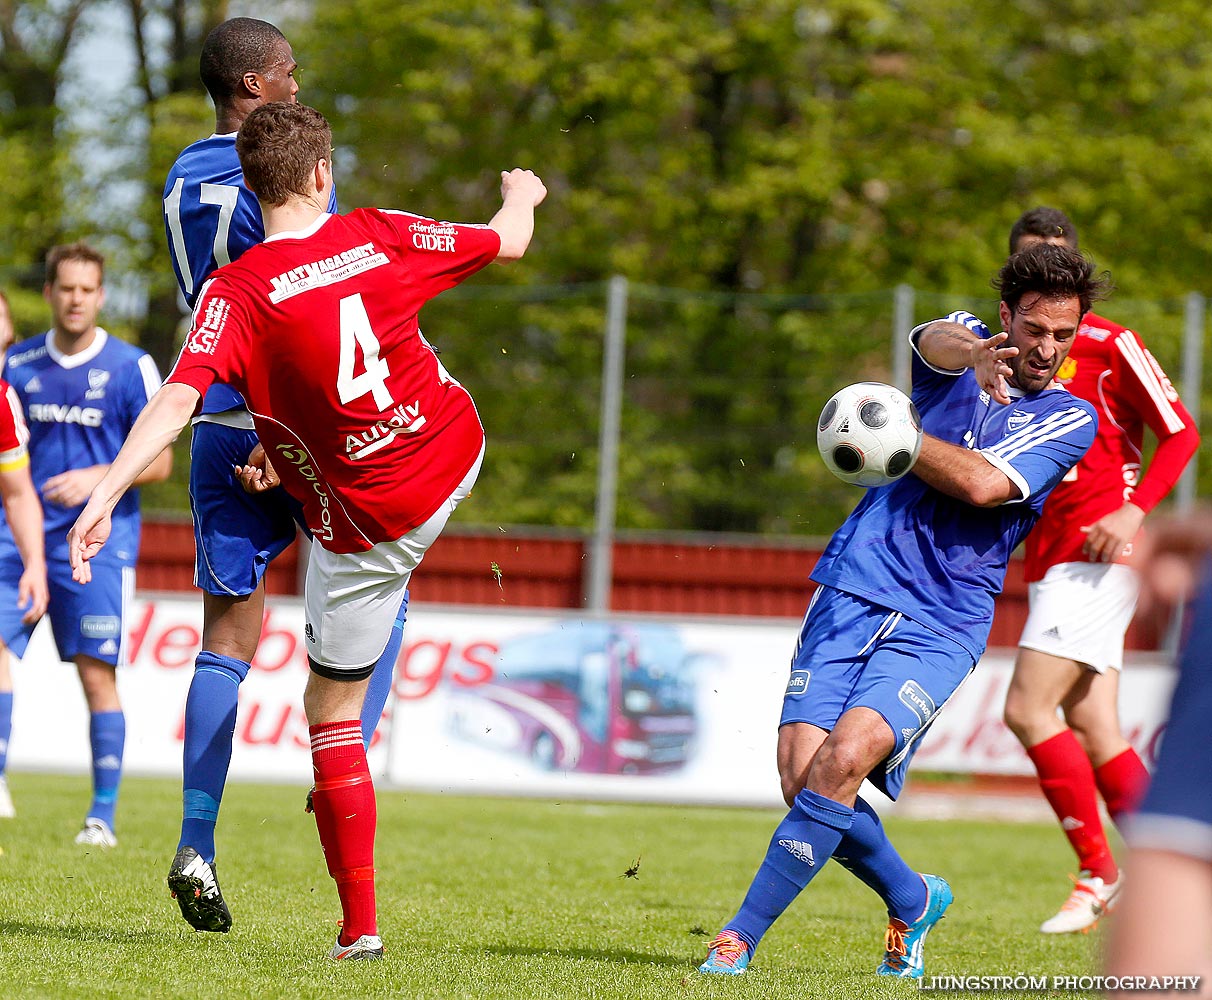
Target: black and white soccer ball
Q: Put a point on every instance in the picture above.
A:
(869, 434)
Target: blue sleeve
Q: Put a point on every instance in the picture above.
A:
(142, 379)
(1046, 444)
(930, 384)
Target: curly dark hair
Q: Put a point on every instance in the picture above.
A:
(1054, 271)
(237, 46)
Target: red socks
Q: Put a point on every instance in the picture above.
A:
(1122, 782)
(1067, 779)
(344, 804)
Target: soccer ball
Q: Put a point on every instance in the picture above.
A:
(869, 434)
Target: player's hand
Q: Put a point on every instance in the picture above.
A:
(87, 536)
(1110, 537)
(522, 184)
(989, 365)
(258, 475)
(72, 488)
(32, 589)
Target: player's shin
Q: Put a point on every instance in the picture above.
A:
(107, 737)
(346, 816)
(210, 725)
(802, 843)
(866, 852)
(1122, 782)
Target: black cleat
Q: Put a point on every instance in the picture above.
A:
(195, 886)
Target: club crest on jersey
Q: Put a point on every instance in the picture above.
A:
(1067, 370)
(406, 418)
(1018, 419)
(98, 379)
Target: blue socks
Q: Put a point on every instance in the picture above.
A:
(107, 737)
(802, 843)
(6, 727)
(210, 724)
(383, 677)
(867, 853)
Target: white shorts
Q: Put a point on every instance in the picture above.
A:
(351, 598)
(1080, 612)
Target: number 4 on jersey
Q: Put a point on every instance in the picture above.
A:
(356, 333)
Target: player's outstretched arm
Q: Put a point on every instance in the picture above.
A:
(964, 474)
(157, 427)
(952, 346)
(521, 193)
(23, 512)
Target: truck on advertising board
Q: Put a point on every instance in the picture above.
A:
(592, 696)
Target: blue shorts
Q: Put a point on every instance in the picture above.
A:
(1176, 814)
(86, 618)
(853, 654)
(236, 534)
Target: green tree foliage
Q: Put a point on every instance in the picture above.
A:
(764, 172)
(35, 38)
(751, 152)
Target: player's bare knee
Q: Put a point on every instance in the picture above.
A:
(839, 768)
(1018, 715)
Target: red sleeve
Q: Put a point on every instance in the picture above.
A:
(441, 254)
(1141, 381)
(216, 343)
(13, 433)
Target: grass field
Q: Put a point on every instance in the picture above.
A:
(492, 898)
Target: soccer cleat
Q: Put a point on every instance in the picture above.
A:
(195, 886)
(96, 833)
(310, 805)
(6, 800)
(1090, 899)
(904, 944)
(367, 946)
(727, 955)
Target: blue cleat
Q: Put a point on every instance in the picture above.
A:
(904, 943)
(727, 955)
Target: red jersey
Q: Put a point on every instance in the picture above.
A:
(14, 435)
(1110, 367)
(318, 330)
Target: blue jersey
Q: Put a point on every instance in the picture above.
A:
(938, 560)
(79, 409)
(211, 218)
